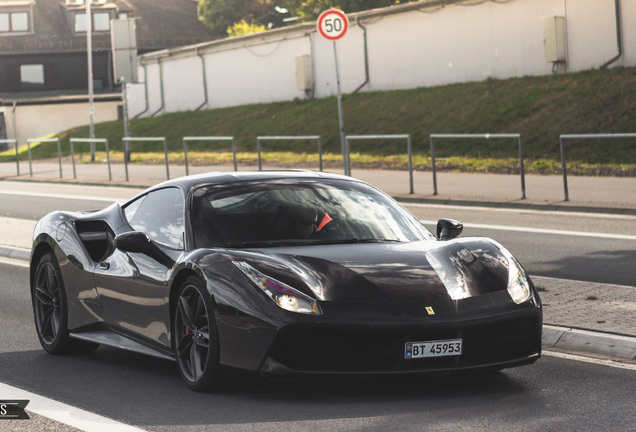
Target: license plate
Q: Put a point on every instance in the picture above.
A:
(439, 348)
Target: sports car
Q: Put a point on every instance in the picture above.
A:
(287, 274)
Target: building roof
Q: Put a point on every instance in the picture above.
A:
(161, 24)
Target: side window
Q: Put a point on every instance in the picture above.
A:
(160, 215)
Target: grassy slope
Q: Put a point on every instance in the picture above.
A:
(540, 108)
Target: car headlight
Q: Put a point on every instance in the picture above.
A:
(518, 286)
(283, 295)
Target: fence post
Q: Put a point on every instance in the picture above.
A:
(165, 151)
(59, 155)
(234, 153)
(523, 172)
(73, 158)
(433, 166)
(185, 155)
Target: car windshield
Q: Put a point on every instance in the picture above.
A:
(286, 212)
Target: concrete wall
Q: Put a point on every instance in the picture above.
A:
(36, 121)
(443, 42)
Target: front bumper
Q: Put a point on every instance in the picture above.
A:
(492, 343)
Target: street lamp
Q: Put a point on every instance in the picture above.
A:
(89, 53)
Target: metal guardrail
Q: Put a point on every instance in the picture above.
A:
(583, 136)
(90, 140)
(288, 138)
(128, 140)
(44, 140)
(208, 138)
(479, 136)
(371, 137)
(15, 143)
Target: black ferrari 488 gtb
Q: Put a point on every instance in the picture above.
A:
(288, 274)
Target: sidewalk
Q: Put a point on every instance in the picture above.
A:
(579, 316)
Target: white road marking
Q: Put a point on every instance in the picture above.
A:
(521, 211)
(14, 262)
(59, 196)
(604, 362)
(542, 231)
(67, 414)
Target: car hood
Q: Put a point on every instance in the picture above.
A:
(411, 275)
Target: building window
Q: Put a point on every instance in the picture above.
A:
(32, 76)
(14, 22)
(101, 22)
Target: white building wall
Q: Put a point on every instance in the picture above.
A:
(628, 9)
(264, 72)
(431, 46)
(591, 28)
(186, 75)
(37, 121)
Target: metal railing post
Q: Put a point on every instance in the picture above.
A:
(349, 138)
(59, 155)
(126, 143)
(480, 136)
(258, 150)
(320, 153)
(73, 158)
(44, 140)
(165, 151)
(92, 141)
(563, 137)
(564, 169)
(523, 171)
(410, 152)
(29, 150)
(185, 155)
(17, 158)
(110, 174)
(433, 166)
(234, 154)
(126, 154)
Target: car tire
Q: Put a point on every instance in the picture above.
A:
(196, 340)
(50, 310)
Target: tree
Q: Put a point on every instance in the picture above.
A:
(220, 15)
(309, 10)
(243, 28)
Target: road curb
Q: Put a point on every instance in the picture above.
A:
(579, 340)
(15, 253)
(414, 199)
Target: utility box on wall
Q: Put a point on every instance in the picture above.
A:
(554, 39)
(304, 74)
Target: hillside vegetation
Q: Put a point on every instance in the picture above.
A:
(540, 108)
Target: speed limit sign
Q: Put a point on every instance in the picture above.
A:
(332, 24)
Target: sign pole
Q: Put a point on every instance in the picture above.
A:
(332, 25)
(343, 144)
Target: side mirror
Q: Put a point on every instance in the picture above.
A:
(138, 242)
(448, 229)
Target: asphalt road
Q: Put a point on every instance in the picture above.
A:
(148, 392)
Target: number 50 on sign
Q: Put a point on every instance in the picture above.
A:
(332, 24)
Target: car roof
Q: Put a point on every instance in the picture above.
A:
(212, 178)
